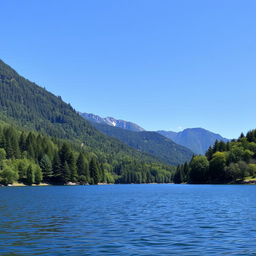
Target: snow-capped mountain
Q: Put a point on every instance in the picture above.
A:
(113, 122)
(198, 140)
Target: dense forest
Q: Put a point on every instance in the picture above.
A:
(32, 158)
(45, 139)
(149, 142)
(230, 162)
(31, 107)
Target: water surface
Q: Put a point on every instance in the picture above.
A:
(128, 220)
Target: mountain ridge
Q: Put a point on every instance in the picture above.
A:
(111, 121)
(31, 107)
(197, 139)
(149, 142)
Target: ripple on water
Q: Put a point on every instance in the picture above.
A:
(128, 220)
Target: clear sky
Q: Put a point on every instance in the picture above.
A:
(163, 64)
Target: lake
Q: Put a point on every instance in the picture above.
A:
(153, 219)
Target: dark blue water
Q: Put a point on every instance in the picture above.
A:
(128, 220)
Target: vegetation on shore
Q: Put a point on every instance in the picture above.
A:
(230, 162)
(43, 139)
(51, 142)
(32, 158)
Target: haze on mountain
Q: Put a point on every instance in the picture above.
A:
(198, 140)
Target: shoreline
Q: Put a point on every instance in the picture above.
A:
(16, 184)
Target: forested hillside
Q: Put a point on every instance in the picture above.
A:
(44, 120)
(32, 107)
(149, 142)
(230, 162)
(30, 158)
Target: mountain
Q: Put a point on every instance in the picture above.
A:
(29, 115)
(231, 162)
(148, 142)
(112, 122)
(31, 107)
(196, 139)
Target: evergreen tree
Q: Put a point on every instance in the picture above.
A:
(66, 174)
(46, 167)
(22, 142)
(94, 172)
(177, 176)
(56, 168)
(72, 166)
(82, 167)
(30, 175)
(38, 175)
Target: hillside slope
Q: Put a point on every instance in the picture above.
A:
(149, 142)
(113, 122)
(31, 107)
(196, 139)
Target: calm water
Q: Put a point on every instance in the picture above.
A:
(128, 220)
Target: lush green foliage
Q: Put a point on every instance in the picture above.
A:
(32, 158)
(227, 162)
(149, 142)
(33, 108)
(75, 150)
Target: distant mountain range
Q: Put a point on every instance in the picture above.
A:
(113, 122)
(151, 143)
(198, 140)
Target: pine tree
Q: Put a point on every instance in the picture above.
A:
(30, 175)
(73, 169)
(66, 174)
(38, 175)
(22, 142)
(56, 169)
(102, 173)
(46, 167)
(82, 167)
(94, 172)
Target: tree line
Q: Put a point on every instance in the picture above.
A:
(32, 158)
(229, 162)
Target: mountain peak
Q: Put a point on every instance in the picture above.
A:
(196, 139)
(111, 121)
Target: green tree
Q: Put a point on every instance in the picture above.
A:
(94, 172)
(72, 166)
(66, 173)
(199, 168)
(56, 168)
(82, 167)
(177, 175)
(8, 176)
(217, 168)
(2, 154)
(30, 175)
(38, 174)
(46, 166)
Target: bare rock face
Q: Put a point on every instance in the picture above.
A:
(111, 121)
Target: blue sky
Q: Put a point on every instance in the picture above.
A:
(162, 64)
